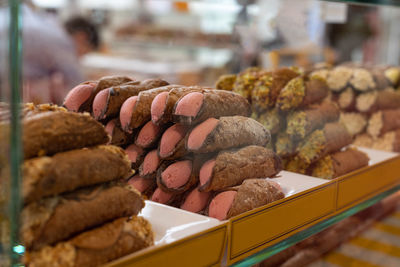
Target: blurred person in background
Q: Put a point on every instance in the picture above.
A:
(358, 38)
(50, 61)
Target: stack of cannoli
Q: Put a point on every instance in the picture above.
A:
(191, 145)
(77, 209)
(368, 100)
(210, 157)
(296, 107)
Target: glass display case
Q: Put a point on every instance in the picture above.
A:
(49, 47)
(10, 131)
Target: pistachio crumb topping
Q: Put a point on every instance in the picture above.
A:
(292, 95)
(312, 147)
(245, 82)
(260, 96)
(284, 145)
(392, 74)
(296, 124)
(296, 165)
(324, 168)
(270, 120)
(226, 82)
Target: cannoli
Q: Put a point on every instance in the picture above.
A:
(285, 145)
(196, 201)
(271, 120)
(347, 99)
(166, 198)
(172, 143)
(118, 136)
(150, 164)
(330, 139)
(374, 101)
(301, 92)
(294, 164)
(51, 132)
(27, 110)
(321, 73)
(390, 141)
(226, 82)
(148, 135)
(196, 107)
(232, 167)
(54, 219)
(177, 176)
(135, 154)
(393, 75)
(383, 121)
(253, 193)
(268, 87)
(381, 81)
(163, 104)
(301, 123)
(80, 98)
(67, 171)
(136, 110)
(339, 163)
(75, 99)
(145, 186)
(339, 78)
(364, 140)
(108, 102)
(362, 80)
(96, 247)
(227, 132)
(245, 82)
(355, 123)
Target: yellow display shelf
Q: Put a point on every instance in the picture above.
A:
(262, 227)
(353, 192)
(202, 249)
(260, 233)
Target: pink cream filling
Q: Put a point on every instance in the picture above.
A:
(133, 152)
(110, 127)
(206, 171)
(158, 106)
(126, 111)
(140, 183)
(100, 103)
(161, 196)
(200, 133)
(189, 105)
(147, 134)
(170, 139)
(220, 205)
(78, 95)
(150, 162)
(196, 201)
(177, 174)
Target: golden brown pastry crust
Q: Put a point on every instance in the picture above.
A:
(216, 103)
(235, 131)
(232, 167)
(96, 247)
(54, 219)
(118, 94)
(50, 132)
(67, 171)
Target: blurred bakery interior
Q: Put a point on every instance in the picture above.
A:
(194, 42)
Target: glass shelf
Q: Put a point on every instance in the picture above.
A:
(292, 240)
